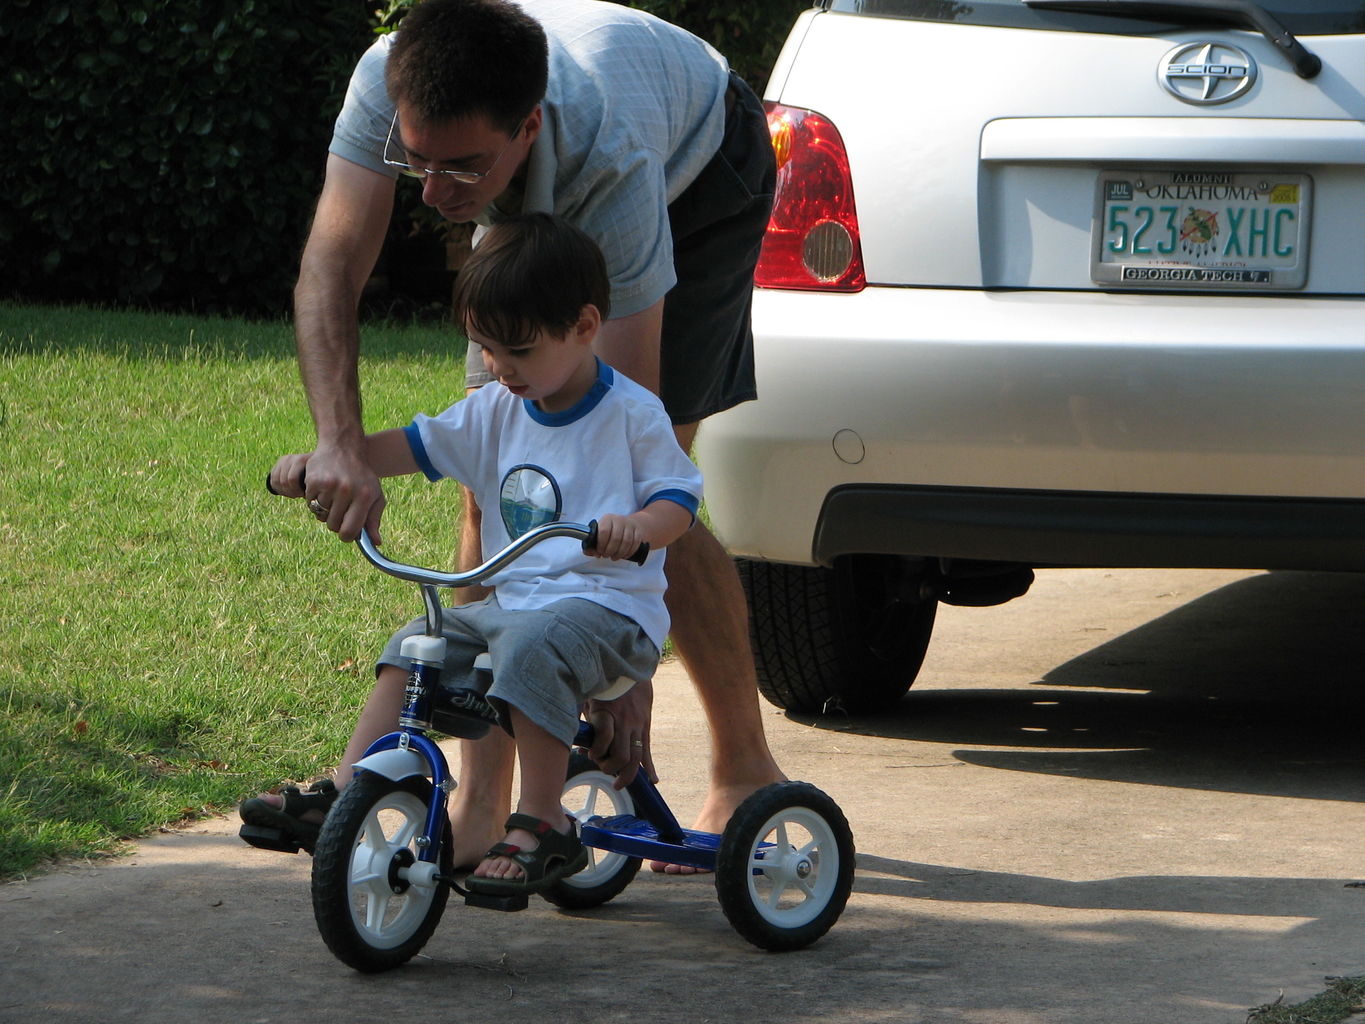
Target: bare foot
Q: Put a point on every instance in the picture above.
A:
(721, 803)
(660, 867)
(473, 834)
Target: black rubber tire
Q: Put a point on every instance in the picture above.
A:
(851, 638)
(607, 874)
(348, 839)
(792, 894)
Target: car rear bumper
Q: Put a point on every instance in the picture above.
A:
(1161, 400)
(1046, 528)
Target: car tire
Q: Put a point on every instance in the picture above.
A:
(851, 638)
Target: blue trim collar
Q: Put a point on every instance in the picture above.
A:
(581, 408)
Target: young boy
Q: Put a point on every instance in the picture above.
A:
(559, 436)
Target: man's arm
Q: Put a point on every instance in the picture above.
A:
(347, 234)
(630, 344)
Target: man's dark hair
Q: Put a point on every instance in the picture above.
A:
(529, 273)
(460, 58)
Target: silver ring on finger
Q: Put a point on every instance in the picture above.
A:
(318, 508)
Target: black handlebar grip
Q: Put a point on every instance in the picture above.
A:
(590, 542)
(303, 481)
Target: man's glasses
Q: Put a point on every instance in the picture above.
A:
(393, 149)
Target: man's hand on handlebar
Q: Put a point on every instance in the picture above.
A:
(287, 475)
(621, 746)
(343, 492)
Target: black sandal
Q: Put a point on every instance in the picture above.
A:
(283, 828)
(558, 856)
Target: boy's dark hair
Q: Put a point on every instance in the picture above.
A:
(529, 273)
(453, 59)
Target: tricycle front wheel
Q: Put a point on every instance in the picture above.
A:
(375, 904)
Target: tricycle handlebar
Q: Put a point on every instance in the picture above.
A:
(529, 539)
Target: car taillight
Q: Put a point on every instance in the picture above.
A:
(812, 239)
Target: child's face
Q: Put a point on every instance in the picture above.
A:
(554, 372)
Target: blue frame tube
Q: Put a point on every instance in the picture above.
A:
(440, 778)
(649, 802)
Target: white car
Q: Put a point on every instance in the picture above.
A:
(1048, 283)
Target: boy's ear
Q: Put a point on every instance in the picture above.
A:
(589, 323)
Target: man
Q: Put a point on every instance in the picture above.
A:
(635, 131)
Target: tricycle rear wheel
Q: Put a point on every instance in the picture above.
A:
(589, 792)
(784, 869)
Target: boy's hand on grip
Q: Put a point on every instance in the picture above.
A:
(617, 537)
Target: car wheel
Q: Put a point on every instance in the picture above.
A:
(849, 638)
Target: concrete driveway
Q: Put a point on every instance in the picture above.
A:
(1129, 798)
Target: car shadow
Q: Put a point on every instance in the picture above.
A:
(1255, 688)
(1222, 895)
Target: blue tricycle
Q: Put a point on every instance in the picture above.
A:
(382, 870)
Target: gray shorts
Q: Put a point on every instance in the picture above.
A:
(546, 662)
(707, 356)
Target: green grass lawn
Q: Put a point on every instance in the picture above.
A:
(173, 636)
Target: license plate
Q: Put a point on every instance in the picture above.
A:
(1212, 230)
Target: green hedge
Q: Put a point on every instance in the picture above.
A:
(166, 153)
(169, 154)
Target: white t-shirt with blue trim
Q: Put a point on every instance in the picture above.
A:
(613, 452)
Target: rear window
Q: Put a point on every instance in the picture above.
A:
(1304, 17)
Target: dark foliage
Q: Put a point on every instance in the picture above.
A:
(169, 155)
(166, 154)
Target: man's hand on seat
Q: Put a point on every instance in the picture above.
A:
(621, 746)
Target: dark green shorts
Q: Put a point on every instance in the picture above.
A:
(718, 224)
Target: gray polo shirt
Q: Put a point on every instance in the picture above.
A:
(635, 108)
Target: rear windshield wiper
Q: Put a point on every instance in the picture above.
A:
(1238, 12)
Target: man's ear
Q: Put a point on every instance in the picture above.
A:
(589, 323)
(534, 121)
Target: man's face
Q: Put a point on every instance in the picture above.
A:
(466, 144)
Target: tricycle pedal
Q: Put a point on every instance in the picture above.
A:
(264, 837)
(487, 902)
